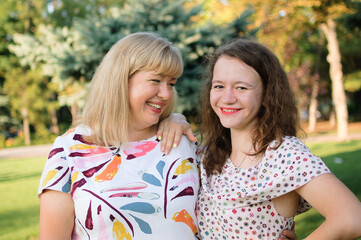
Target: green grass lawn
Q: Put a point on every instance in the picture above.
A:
(349, 172)
(19, 179)
(19, 208)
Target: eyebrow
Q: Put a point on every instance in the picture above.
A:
(162, 75)
(237, 82)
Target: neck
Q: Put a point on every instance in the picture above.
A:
(241, 141)
(243, 150)
(141, 134)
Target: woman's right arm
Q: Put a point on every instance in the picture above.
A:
(56, 215)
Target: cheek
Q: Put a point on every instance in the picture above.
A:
(171, 93)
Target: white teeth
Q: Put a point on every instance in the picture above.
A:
(229, 110)
(154, 105)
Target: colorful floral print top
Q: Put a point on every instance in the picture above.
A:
(237, 204)
(135, 192)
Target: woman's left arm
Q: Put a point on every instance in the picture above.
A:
(171, 129)
(340, 207)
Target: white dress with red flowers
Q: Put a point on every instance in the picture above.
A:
(237, 204)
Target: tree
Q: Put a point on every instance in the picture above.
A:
(326, 13)
(70, 55)
(26, 104)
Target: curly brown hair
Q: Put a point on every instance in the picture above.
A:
(278, 116)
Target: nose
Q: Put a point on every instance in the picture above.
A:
(165, 91)
(228, 97)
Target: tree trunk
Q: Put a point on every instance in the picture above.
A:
(312, 111)
(54, 122)
(336, 75)
(26, 125)
(312, 118)
(75, 114)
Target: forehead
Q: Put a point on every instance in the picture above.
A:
(228, 67)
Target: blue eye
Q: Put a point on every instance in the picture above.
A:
(217, 86)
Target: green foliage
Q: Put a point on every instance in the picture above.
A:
(26, 90)
(353, 82)
(70, 55)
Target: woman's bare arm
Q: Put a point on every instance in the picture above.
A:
(56, 215)
(340, 207)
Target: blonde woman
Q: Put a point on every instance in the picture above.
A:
(108, 178)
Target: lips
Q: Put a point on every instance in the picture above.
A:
(229, 111)
(155, 106)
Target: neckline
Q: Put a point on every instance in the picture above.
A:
(240, 168)
(152, 138)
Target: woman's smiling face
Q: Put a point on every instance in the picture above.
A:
(149, 95)
(236, 93)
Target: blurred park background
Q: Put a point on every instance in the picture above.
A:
(49, 50)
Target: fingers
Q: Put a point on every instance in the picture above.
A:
(168, 142)
(190, 135)
(288, 234)
(170, 131)
(160, 130)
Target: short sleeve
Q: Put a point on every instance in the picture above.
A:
(291, 166)
(56, 173)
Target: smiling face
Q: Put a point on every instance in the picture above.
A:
(236, 93)
(149, 95)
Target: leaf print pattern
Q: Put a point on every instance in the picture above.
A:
(160, 168)
(150, 178)
(102, 234)
(137, 149)
(50, 175)
(144, 226)
(110, 171)
(185, 192)
(143, 195)
(183, 216)
(130, 186)
(183, 168)
(89, 219)
(147, 196)
(141, 207)
(91, 171)
(119, 231)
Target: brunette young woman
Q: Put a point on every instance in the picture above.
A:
(256, 175)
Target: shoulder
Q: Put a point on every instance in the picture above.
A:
(289, 143)
(185, 148)
(186, 143)
(292, 154)
(72, 136)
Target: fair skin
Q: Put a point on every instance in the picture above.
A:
(149, 94)
(228, 98)
(236, 101)
(235, 97)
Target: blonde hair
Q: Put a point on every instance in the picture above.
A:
(106, 111)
